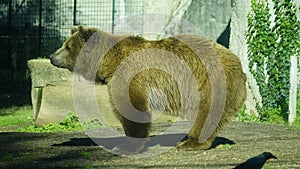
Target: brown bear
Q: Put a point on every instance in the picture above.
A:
(183, 75)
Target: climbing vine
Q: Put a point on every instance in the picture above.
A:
(270, 45)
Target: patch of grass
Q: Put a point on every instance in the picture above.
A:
(266, 167)
(273, 116)
(86, 154)
(70, 123)
(88, 167)
(224, 146)
(296, 124)
(227, 145)
(270, 116)
(6, 157)
(92, 124)
(49, 128)
(15, 116)
(244, 117)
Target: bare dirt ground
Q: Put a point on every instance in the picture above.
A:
(77, 150)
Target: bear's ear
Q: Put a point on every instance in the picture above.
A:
(74, 29)
(86, 32)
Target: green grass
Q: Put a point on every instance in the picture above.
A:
(6, 157)
(296, 124)
(88, 167)
(15, 116)
(70, 123)
(86, 154)
(18, 116)
(21, 117)
(266, 167)
(244, 117)
(49, 128)
(272, 116)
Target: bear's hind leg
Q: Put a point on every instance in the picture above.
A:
(193, 144)
(192, 140)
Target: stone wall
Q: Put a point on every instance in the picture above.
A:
(238, 45)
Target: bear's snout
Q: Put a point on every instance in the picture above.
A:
(57, 58)
(53, 60)
(51, 56)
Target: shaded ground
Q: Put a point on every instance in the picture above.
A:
(76, 150)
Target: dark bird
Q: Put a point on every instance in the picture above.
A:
(256, 162)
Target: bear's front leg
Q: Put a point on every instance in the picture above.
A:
(135, 129)
(137, 135)
(139, 122)
(135, 119)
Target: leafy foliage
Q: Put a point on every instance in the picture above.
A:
(244, 117)
(270, 46)
(272, 115)
(70, 123)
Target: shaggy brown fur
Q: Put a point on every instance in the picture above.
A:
(200, 54)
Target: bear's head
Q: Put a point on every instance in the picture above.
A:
(93, 53)
(66, 56)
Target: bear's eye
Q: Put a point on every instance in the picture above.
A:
(68, 47)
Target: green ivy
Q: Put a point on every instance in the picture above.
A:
(272, 115)
(269, 50)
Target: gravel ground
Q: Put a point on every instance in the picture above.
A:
(76, 150)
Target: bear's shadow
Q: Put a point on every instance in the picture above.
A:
(167, 140)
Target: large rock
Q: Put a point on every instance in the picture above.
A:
(52, 94)
(41, 73)
(55, 102)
